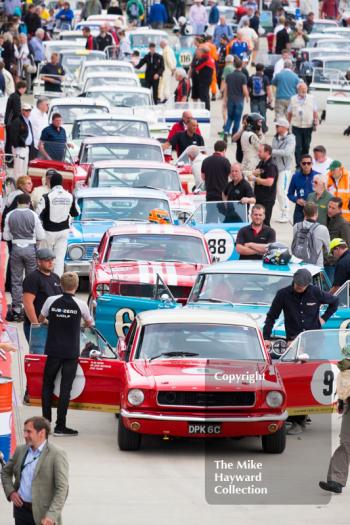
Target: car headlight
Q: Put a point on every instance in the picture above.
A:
(102, 288)
(76, 252)
(136, 396)
(274, 399)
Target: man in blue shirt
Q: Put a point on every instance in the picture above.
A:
(158, 15)
(286, 83)
(300, 187)
(65, 17)
(239, 47)
(36, 46)
(53, 140)
(222, 29)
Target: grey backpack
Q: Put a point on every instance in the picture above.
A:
(303, 245)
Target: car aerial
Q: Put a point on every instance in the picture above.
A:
(134, 174)
(177, 374)
(220, 223)
(119, 97)
(131, 258)
(92, 149)
(100, 208)
(109, 78)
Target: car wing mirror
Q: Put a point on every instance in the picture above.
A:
(95, 354)
(302, 358)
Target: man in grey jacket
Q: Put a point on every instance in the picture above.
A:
(35, 479)
(23, 228)
(283, 148)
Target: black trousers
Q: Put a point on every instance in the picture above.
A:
(303, 141)
(268, 211)
(52, 367)
(203, 92)
(23, 516)
(154, 85)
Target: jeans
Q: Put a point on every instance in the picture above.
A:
(234, 115)
(258, 105)
(303, 140)
(52, 367)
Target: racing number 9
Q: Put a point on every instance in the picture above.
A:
(328, 380)
(123, 319)
(217, 246)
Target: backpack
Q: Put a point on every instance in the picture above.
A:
(258, 86)
(303, 245)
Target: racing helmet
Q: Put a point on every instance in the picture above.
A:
(254, 122)
(277, 253)
(159, 216)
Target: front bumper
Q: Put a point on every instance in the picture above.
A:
(82, 268)
(178, 425)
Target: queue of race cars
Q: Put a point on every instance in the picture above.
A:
(177, 350)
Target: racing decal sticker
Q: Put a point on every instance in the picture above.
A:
(221, 244)
(77, 387)
(323, 383)
(185, 58)
(123, 319)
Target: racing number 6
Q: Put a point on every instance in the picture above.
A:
(123, 319)
(328, 379)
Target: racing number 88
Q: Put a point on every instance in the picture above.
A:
(217, 246)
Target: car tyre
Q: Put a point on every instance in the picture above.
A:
(127, 440)
(275, 443)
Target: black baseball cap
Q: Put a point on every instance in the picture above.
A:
(302, 277)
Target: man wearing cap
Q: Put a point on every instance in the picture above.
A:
(340, 250)
(339, 185)
(37, 287)
(300, 303)
(22, 141)
(283, 148)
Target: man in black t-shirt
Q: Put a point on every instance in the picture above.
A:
(182, 140)
(37, 287)
(265, 180)
(252, 240)
(64, 314)
(53, 73)
(238, 189)
(215, 172)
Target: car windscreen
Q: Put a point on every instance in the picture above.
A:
(95, 152)
(110, 81)
(167, 180)
(122, 99)
(115, 68)
(239, 288)
(96, 128)
(219, 212)
(153, 247)
(197, 340)
(342, 65)
(71, 113)
(145, 39)
(119, 208)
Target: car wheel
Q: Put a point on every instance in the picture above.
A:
(275, 443)
(127, 440)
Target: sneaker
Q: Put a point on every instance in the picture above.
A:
(225, 137)
(295, 430)
(60, 432)
(331, 486)
(213, 98)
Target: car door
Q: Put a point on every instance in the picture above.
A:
(310, 380)
(98, 381)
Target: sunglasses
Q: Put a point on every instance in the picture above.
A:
(306, 163)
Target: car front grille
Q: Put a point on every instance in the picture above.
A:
(206, 399)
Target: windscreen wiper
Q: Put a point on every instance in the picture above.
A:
(174, 354)
(214, 300)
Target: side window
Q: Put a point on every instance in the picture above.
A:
(324, 282)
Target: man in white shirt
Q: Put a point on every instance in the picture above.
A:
(279, 66)
(9, 82)
(196, 158)
(320, 161)
(169, 69)
(39, 119)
